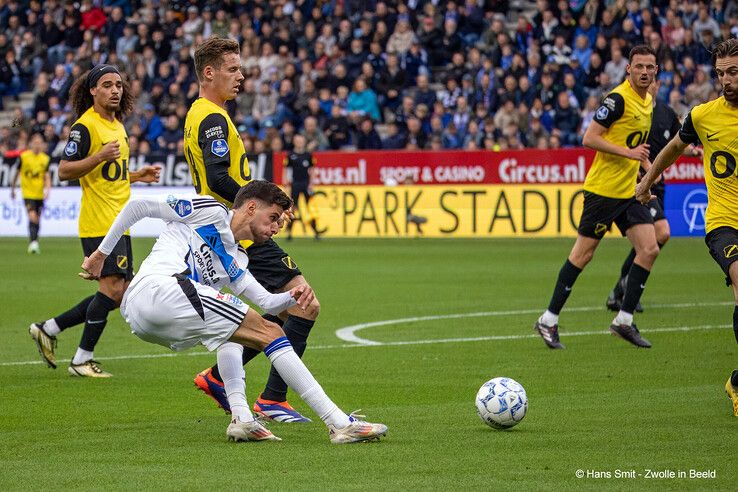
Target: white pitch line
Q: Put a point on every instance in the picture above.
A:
(375, 344)
(348, 334)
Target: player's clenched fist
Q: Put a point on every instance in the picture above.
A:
(110, 151)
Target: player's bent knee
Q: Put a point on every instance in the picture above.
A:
(114, 286)
(256, 332)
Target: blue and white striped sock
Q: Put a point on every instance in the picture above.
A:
(298, 377)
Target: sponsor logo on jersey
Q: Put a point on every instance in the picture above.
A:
(229, 298)
(71, 148)
(219, 147)
(602, 113)
(694, 209)
(204, 263)
(122, 261)
(609, 102)
(216, 131)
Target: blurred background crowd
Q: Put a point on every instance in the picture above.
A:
(357, 74)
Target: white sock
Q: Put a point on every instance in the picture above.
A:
(623, 318)
(230, 365)
(82, 356)
(298, 377)
(548, 318)
(51, 328)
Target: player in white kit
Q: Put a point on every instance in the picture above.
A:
(175, 299)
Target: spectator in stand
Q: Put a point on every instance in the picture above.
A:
(151, 125)
(338, 129)
(362, 101)
(394, 140)
(265, 104)
(314, 135)
(367, 137)
(566, 121)
(415, 137)
(704, 24)
(392, 81)
(401, 38)
(615, 68)
(169, 139)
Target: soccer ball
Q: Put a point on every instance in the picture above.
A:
(502, 403)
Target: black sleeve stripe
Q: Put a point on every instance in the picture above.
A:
(210, 205)
(213, 139)
(242, 250)
(611, 109)
(687, 132)
(78, 144)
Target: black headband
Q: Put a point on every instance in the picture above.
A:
(97, 72)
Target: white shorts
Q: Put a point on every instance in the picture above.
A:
(179, 314)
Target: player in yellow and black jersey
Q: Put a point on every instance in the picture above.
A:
(618, 133)
(35, 182)
(219, 167)
(97, 155)
(715, 126)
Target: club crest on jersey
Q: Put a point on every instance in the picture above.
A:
(600, 229)
(229, 298)
(602, 113)
(289, 263)
(233, 269)
(71, 148)
(219, 147)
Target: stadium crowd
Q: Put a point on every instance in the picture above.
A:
(467, 74)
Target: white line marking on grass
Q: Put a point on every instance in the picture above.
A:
(348, 334)
(371, 343)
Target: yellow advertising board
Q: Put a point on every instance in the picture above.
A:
(450, 211)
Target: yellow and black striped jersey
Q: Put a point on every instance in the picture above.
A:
(214, 150)
(105, 189)
(33, 168)
(627, 118)
(715, 125)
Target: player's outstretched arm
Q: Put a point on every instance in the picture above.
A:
(246, 285)
(666, 158)
(147, 174)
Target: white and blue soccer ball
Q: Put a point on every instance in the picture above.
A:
(502, 403)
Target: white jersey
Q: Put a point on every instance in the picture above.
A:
(197, 243)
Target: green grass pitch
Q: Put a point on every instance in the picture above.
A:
(601, 405)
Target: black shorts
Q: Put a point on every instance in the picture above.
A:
(656, 209)
(34, 205)
(600, 212)
(118, 262)
(723, 245)
(271, 266)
